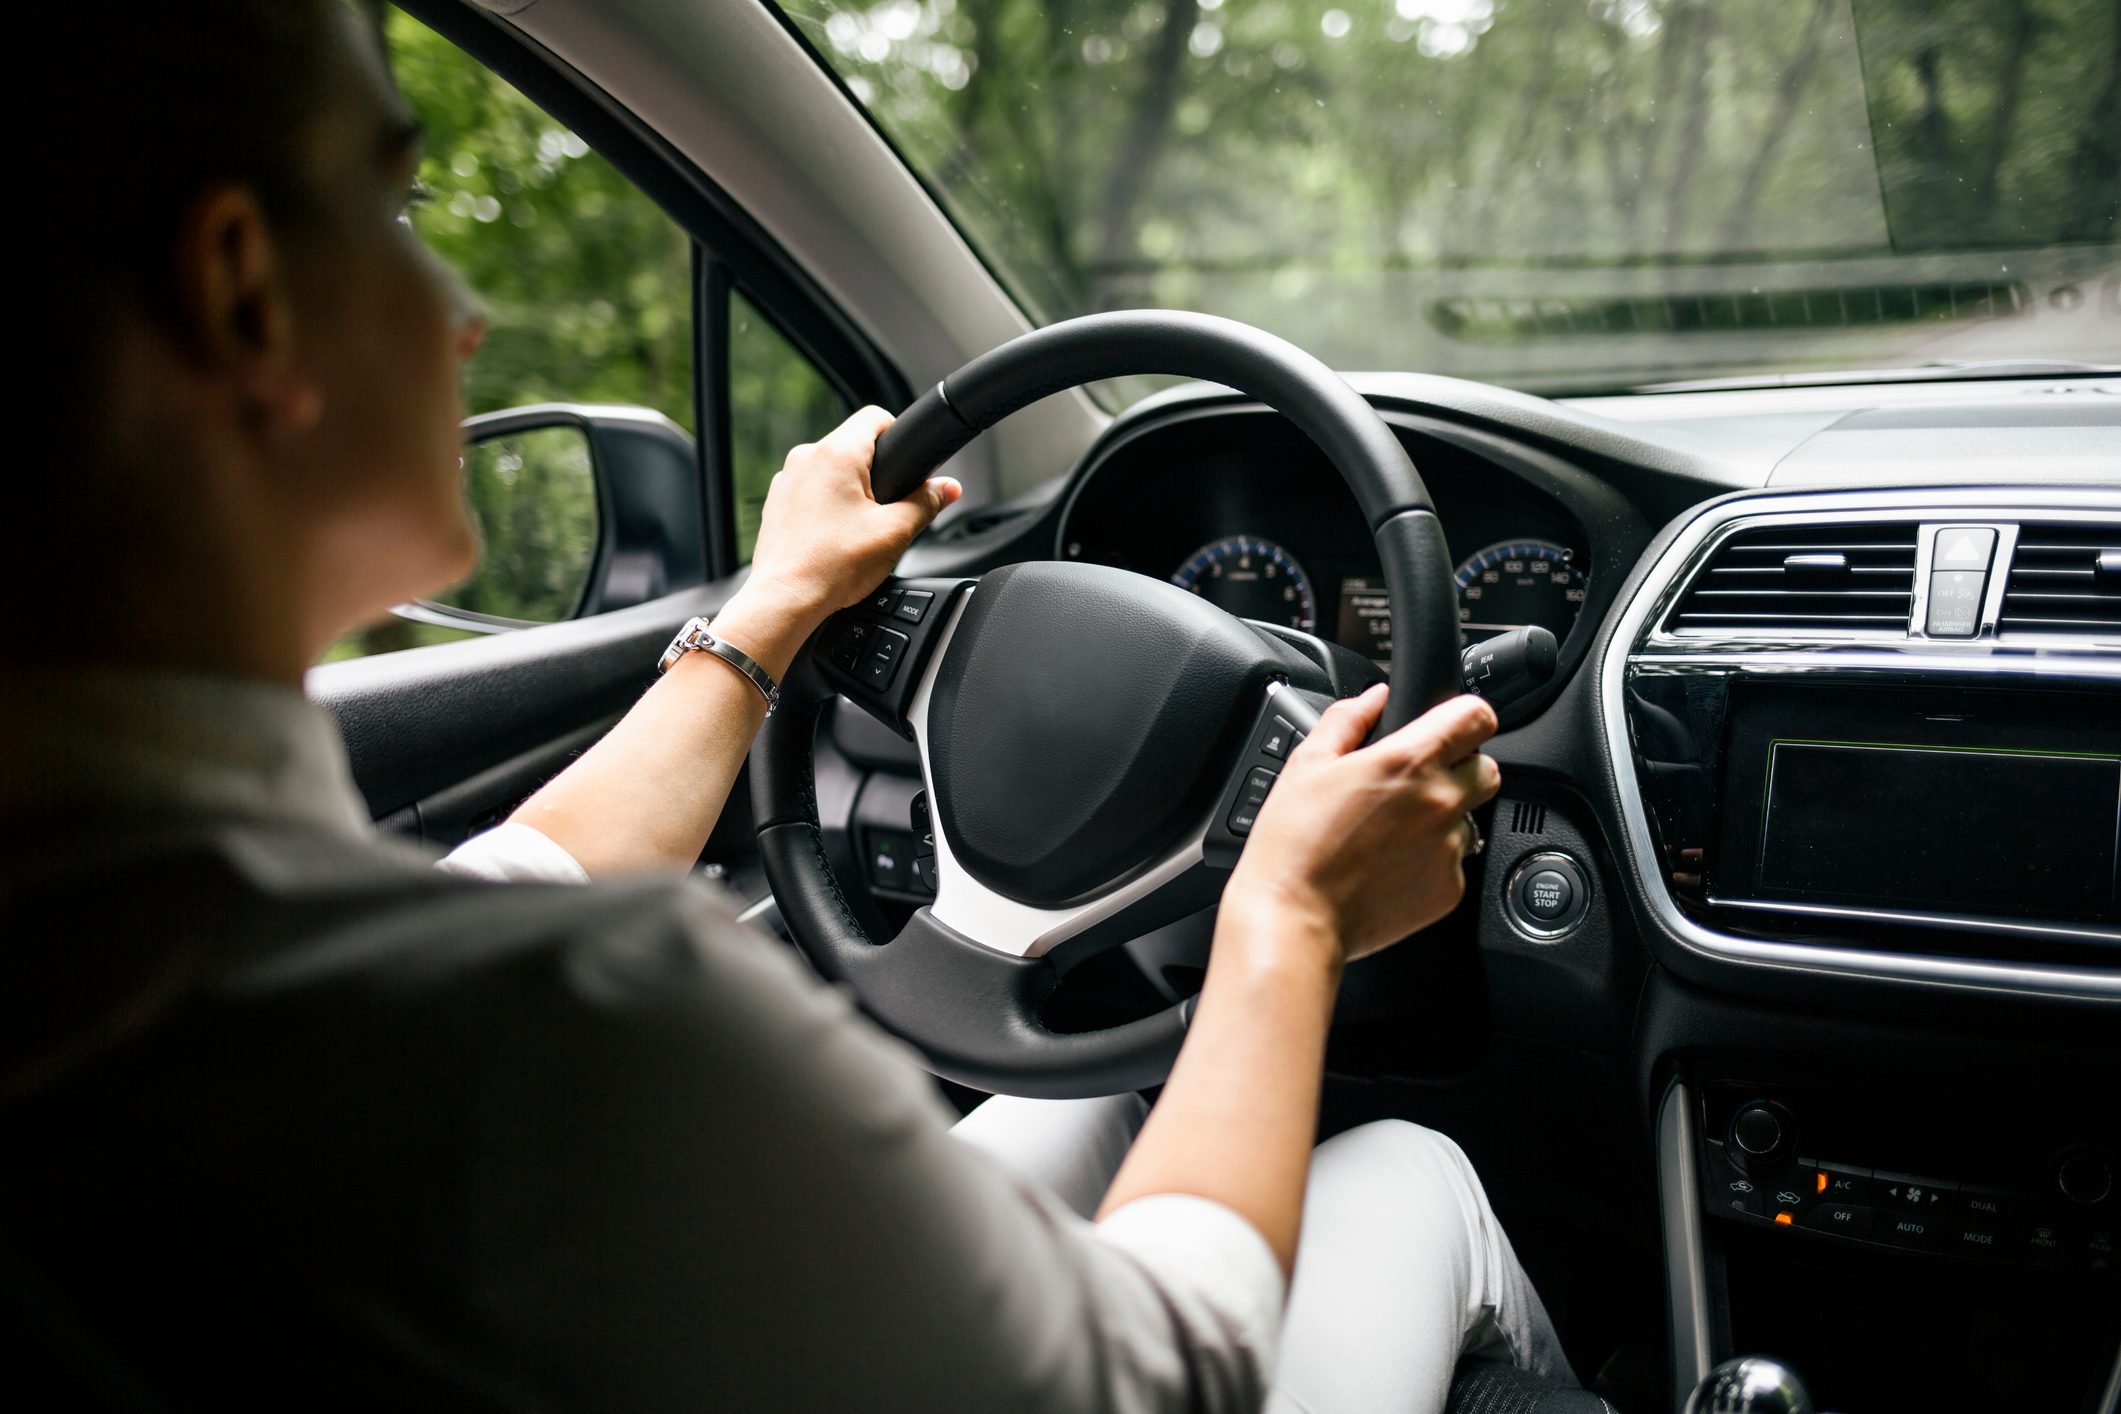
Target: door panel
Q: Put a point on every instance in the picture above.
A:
(431, 729)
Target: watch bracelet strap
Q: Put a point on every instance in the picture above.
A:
(697, 637)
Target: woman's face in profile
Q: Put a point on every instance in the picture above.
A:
(383, 327)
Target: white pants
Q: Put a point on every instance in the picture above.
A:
(1402, 1269)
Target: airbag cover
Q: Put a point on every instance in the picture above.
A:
(1081, 725)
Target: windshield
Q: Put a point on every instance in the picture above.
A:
(1559, 195)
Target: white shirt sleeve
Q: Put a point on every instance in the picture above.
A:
(1215, 1269)
(514, 854)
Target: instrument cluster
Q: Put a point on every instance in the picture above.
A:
(1255, 520)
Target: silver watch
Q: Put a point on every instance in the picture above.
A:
(695, 638)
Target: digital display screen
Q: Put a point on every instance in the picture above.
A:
(1971, 830)
(1366, 618)
(1974, 800)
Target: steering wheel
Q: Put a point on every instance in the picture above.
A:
(1094, 741)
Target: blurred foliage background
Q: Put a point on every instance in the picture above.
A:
(1557, 194)
(776, 401)
(587, 285)
(533, 501)
(1554, 194)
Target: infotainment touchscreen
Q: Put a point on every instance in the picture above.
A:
(1973, 803)
(1967, 830)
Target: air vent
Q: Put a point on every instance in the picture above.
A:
(2065, 579)
(1527, 818)
(1808, 579)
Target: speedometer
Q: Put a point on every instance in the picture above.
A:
(1251, 578)
(1519, 582)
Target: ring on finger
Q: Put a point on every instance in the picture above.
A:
(1474, 841)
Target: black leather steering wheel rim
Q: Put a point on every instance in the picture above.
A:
(973, 1011)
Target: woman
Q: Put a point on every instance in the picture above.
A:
(295, 1118)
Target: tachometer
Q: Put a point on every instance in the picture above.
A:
(1251, 578)
(1519, 582)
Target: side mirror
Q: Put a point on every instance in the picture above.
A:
(578, 509)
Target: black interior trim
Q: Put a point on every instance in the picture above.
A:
(420, 721)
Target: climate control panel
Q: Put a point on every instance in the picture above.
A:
(1755, 1170)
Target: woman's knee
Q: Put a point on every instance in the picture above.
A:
(1400, 1144)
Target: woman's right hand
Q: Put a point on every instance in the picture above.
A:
(1367, 843)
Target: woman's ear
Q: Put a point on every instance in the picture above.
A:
(235, 310)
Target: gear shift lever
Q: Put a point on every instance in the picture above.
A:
(1750, 1384)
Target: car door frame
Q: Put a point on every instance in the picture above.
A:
(444, 740)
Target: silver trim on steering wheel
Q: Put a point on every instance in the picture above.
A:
(991, 919)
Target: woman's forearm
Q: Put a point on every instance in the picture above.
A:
(1238, 1117)
(646, 796)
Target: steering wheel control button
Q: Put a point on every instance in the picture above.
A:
(888, 860)
(1279, 740)
(850, 645)
(1245, 814)
(1955, 603)
(913, 605)
(1547, 895)
(884, 657)
(1964, 548)
(883, 600)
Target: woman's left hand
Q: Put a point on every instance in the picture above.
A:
(824, 542)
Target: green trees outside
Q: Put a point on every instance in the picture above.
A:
(586, 282)
(1550, 193)
(533, 500)
(1399, 183)
(776, 400)
(587, 286)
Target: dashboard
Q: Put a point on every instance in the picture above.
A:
(1243, 511)
(1805, 876)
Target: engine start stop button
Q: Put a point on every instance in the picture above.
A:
(1548, 895)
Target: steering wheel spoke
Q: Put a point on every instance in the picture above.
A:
(1185, 878)
(1286, 716)
(876, 653)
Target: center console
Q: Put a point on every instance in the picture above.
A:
(1880, 736)
(1867, 760)
(1871, 1237)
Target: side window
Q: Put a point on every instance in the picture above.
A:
(588, 287)
(777, 399)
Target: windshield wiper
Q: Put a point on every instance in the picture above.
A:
(1939, 371)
